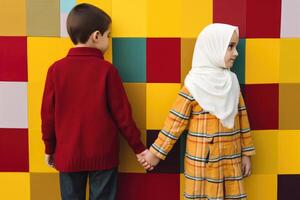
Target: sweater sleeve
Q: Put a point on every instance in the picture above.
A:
(246, 138)
(121, 111)
(174, 125)
(47, 114)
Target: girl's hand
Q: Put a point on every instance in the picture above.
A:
(246, 165)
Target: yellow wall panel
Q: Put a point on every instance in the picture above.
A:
(15, 186)
(105, 5)
(108, 53)
(265, 161)
(187, 50)
(42, 52)
(128, 159)
(129, 18)
(261, 187)
(35, 93)
(13, 18)
(289, 69)
(136, 93)
(160, 97)
(288, 152)
(289, 109)
(44, 186)
(262, 61)
(164, 18)
(37, 153)
(181, 186)
(195, 16)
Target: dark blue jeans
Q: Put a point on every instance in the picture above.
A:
(103, 185)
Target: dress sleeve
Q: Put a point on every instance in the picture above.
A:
(174, 125)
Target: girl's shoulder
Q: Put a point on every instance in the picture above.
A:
(184, 91)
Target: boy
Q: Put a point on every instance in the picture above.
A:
(84, 106)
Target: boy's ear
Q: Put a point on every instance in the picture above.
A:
(96, 35)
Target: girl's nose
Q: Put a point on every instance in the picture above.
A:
(236, 53)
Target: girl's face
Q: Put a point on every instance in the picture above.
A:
(231, 53)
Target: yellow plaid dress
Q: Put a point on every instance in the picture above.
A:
(213, 154)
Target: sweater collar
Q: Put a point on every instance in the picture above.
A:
(85, 51)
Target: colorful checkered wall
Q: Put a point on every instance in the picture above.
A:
(152, 48)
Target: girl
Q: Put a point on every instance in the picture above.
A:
(211, 107)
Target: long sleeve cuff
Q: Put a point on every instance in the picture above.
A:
(248, 151)
(49, 148)
(158, 152)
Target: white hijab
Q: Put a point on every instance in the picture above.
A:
(213, 86)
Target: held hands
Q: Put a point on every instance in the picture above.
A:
(246, 165)
(49, 159)
(147, 159)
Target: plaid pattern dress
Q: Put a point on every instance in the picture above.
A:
(213, 168)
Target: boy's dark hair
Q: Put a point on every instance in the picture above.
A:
(84, 19)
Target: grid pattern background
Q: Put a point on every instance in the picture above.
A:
(152, 45)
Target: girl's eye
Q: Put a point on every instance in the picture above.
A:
(230, 46)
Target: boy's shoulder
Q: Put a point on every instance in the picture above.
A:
(66, 61)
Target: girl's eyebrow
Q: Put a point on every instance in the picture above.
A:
(233, 43)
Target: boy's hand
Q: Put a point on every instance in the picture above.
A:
(149, 158)
(142, 161)
(49, 159)
(246, 165)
